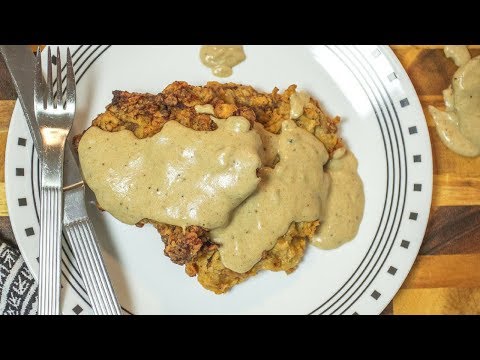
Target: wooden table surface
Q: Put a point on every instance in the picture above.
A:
(446, 276)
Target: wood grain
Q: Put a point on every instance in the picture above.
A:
(439, 271)
(452, 230)
(3, 201)
(34, 47)
(453, 190)
(3, 144)
(447, 301)
(6, 109)
(6, 232)
(7, 91)
(445, 278)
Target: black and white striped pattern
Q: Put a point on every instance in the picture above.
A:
(18, 289)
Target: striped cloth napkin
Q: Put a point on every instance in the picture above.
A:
(18, 288)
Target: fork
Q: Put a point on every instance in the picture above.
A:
(55, 118)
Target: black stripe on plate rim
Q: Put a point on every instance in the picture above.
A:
(374, 258)
(371, 73)
(389, 189)
(382, 239)
(395, 218)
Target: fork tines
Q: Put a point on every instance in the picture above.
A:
(48, 98)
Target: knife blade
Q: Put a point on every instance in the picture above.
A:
(77, 225)
(20, 63)
(72, 177)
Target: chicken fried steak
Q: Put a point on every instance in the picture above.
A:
(146, 114)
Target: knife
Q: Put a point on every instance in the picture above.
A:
(78, 228)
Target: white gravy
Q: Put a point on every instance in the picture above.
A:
(345, 202)
(295, 190)
(179, 176)
(209, 178)
(222, 58)
(459, 126)
(298, 100)
(458, 53)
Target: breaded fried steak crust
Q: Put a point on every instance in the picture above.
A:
(145, 115)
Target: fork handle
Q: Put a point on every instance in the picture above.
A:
(50, 247)
(81, 236)
(51, 215)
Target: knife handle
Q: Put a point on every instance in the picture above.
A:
(81, 235)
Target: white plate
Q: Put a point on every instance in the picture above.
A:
(382, 122)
